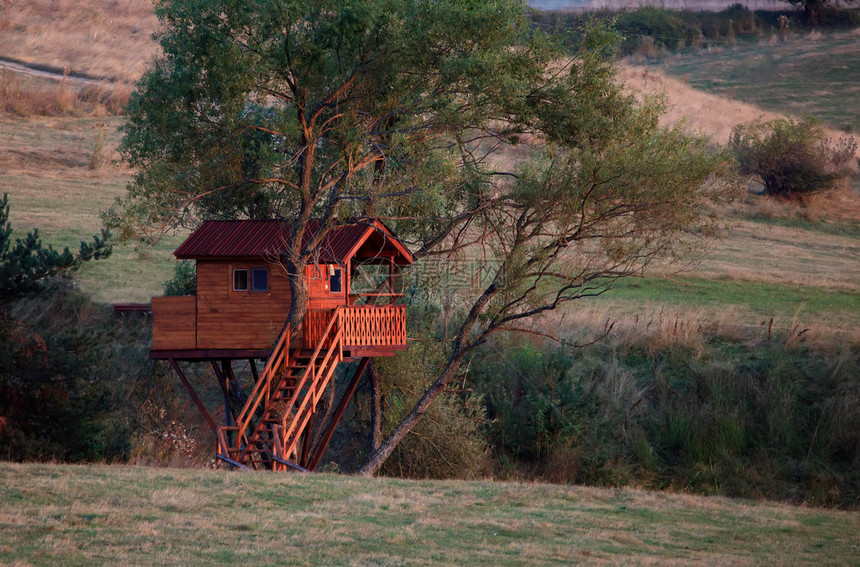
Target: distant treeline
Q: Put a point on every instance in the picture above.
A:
(651, 31)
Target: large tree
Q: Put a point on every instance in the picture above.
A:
(471, 134)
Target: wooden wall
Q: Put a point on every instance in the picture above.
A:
(228, 319)
(173, 325)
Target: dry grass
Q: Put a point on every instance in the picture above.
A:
(99, 514)
(760, 252)
(709, 114)
(659, 327)
(104, 39)
(57, 98)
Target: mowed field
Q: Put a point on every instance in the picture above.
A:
(84, 515)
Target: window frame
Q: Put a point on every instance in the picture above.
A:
(247, 280)
(251, 283)
(338, 271)
(249, 272)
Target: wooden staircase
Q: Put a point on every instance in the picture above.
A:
(279, 408)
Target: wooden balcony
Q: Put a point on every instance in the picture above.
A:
(367, 330)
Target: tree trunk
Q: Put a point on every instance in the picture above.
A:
(375, 407)
(378, 457)
(298, 294)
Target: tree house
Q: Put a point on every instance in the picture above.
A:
(239, 313)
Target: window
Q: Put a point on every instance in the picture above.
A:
(255, 279)
(335, 280)
(260, 279)
(240, 280)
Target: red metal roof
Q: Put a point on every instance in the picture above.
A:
(267, 238)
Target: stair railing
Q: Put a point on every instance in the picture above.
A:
(319, 375)
(262, 392)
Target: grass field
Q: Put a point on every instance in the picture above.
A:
(814, 75)
(46, 167)
(80, 515)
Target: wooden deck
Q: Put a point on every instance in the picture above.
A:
(366, 330)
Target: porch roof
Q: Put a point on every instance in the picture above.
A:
(268, 238)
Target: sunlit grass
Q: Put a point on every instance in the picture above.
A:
(87, 514)
(809, 75)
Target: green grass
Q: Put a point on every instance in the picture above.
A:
(762, 299)
(52, 187)
(803, 76)
(80, 515)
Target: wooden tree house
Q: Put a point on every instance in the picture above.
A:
(239, 313)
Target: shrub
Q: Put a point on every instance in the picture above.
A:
(773, 420)
(184, 280)
(791, 158)
(666, 28)
(73, 375)
(449, 441)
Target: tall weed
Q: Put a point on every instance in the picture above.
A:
(20, 99)
(754, 419)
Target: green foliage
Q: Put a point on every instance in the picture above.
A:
(24, 267)
(450, 441)
(534, 402)
(667, 28)
(218, 126)
(769, 420)
(184, 280)
(73, 375)
(791, 157)
(816, 10)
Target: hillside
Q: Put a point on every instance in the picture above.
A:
(81, 515)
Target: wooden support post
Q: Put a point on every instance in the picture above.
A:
(392, 269)
(232, 463)
(306, 442)
(229, 416)
(253, 366)
(291, 465)
(315, 459)
(194, 397)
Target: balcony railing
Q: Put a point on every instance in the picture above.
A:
(362, 325)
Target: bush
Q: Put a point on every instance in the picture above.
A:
(791, 158)
(772, 420)
(73, 375)
(449, 441)
(666, 29)
(184, 280)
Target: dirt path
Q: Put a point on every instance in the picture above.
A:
(16, 67)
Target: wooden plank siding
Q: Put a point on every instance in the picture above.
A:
(228, 319)
(173, 322)
(219, 318)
